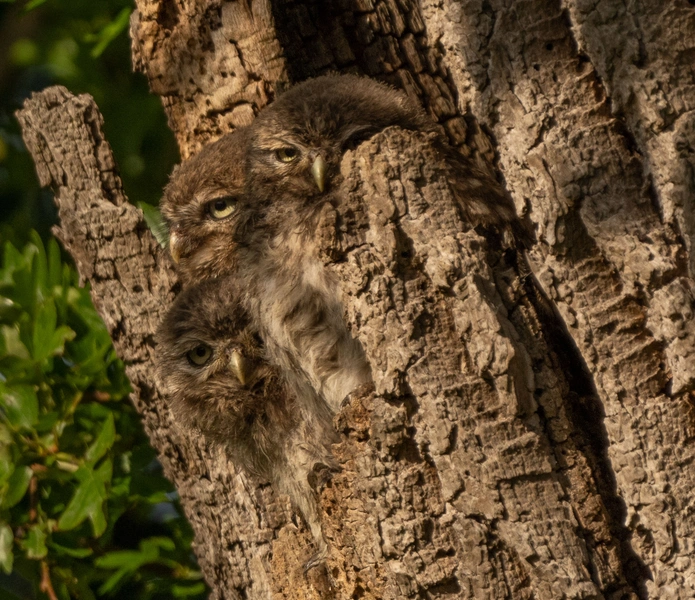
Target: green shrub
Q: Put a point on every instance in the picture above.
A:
(84, 508)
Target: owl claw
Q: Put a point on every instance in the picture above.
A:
(318, 558)
(320, 475)
(359, 392)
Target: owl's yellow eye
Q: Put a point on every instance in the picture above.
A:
(287, 155)
(199, 355)
(220, 208)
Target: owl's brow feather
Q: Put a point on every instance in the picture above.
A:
(205, 195)
(271, 143)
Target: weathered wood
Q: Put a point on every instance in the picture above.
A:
(509, 451)
(132, 285)
(216, 64)
(610, 254)
(469, 468)
(643, 53)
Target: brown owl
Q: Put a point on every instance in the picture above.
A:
(212, 367)
(201, 207)
(294, 152)
(296, 145)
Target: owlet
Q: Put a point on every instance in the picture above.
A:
(212, 367)
(294, 151)
(200, 205)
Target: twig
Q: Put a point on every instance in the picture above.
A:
(46, 586)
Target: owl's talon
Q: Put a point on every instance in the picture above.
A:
(359, 392)
(318, 559)
(321, 474)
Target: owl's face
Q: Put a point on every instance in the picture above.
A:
(210, 363)
(296, 143)
(201, 205)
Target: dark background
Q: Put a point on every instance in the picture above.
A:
(83, 45)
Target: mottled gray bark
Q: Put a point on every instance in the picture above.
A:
(510, 450)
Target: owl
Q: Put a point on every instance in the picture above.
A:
(213, 369)
(201, 207)
(296, 145)
(294, 151)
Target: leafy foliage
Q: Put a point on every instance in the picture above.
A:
(80, 488)
(84, 46)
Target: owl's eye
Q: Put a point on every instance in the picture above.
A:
(286, 155)
(221, 208)
(199, 355)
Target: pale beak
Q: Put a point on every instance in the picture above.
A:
(239, 366)
(318, 170)
(175, 247)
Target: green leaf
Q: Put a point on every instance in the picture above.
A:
(156, 223)
(55, 265)
(44, 325)
(103, 442)
(20, 405)
(88, 499)
(47, 339)
(9, 310)
(61, 335)
(35, 542)
(6, 555)
(93, 411)
(158, 542)
(133, 559)
(32, 4)
(74, 552)
(39, 269)
(6, 458)
(186, 591)
(47, 422)
(129, 561)
(24, 52)
(13, 260)
(126, 559)
(16, 487)
(111, 31)
(10, 344)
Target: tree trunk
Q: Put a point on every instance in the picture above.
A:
(512, 449)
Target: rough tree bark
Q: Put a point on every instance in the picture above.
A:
(508, 451)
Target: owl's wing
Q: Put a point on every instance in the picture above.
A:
(481, 198)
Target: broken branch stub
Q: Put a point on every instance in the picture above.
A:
(132, 285)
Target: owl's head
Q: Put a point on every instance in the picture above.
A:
(211, 365)
(297, 142)
(201, 207)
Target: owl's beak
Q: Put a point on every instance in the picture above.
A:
(239, 366)
(318, 170)
(175, 246)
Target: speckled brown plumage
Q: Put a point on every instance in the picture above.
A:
(294, 152)
(327, 116)
(203, 238)
(212, 366)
